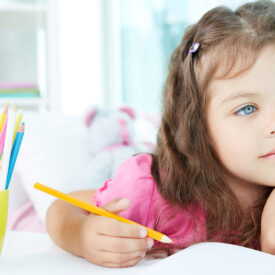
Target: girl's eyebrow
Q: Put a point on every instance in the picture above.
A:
(240, 94)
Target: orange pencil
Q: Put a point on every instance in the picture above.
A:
(99, 211)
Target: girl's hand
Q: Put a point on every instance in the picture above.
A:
(268, 225)
(108, 242)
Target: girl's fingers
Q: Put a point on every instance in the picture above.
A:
(111, 227)
(119, 258)
(124, 264)
(122, 245)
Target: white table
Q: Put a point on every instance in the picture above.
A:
(35, 254)
(19, 244)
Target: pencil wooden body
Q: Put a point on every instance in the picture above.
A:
(14, 153)
(7, 146)
(17, 124)
(3, 117)
(99, 211)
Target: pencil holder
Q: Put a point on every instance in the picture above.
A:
(4, 201)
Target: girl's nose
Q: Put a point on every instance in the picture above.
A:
(269, 130)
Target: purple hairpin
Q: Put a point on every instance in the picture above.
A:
(194, 47)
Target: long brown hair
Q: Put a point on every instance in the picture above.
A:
(185, 165)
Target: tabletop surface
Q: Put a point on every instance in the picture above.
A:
(35, 253)
(19, 244)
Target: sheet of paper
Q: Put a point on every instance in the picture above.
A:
(29, 254)
(45, 263)
(215, 259)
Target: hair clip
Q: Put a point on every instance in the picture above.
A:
(194, 47)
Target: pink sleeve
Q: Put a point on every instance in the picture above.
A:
(132, 180)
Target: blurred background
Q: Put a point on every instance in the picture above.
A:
(60, 57)
(63, 56)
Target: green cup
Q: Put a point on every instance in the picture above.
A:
(4, 201)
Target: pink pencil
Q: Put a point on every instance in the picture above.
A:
(3, 136)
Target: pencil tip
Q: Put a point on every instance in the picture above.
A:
(5, 111)
(165, 239)
(13, 107)
(21, 128)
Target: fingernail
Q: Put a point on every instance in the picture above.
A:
(150, 243)
(124, 201)
(143, 232)
(143, 255)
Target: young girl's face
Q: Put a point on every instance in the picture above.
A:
(241, 121)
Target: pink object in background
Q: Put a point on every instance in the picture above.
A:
(3, 135)
(12, 85)
(129, 111)
(25, 219)
(89, 117)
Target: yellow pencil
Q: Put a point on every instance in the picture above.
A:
(3, 116)
(17, 123)
(99, 211)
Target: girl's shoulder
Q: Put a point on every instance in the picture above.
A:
(137, 167)
(132, 180)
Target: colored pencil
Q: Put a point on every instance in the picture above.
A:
(99, 211)
(3, 116)
(14, 152)
(7, 147)
(17, 123)
(3, 136)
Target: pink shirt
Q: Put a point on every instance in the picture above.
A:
(133, 180)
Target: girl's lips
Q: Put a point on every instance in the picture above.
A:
(269, 156)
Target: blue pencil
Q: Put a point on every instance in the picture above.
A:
(14, 152)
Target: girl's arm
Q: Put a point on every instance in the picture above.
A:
(98, 239)
(64, 221)
(268, 225)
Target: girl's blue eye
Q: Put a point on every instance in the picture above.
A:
(246, 110)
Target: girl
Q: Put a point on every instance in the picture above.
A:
(213, 170)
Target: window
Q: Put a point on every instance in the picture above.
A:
(141, 37)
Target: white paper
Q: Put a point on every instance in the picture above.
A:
(215, 259)
(35, 254)
(49, 263)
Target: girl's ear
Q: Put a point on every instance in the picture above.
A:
(129, 111)
(89, 117)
